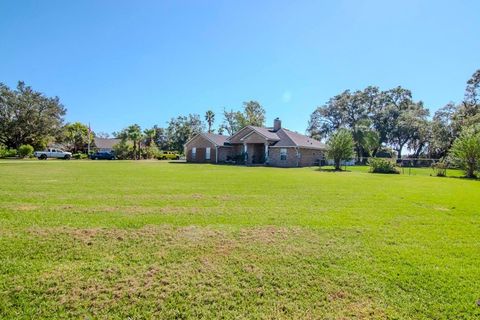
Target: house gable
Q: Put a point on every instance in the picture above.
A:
(254, 137)
(214, 139)
(242, 134)
(199, 141)
(236, 137)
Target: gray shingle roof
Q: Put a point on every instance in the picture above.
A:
(217, 139)
(287, 138)
(281, 138)
(299, 140)
(266, 132)
(103, 143)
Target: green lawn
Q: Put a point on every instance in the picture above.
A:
(112, 239)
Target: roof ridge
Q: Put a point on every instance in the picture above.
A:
(215, 134)
(263, 131)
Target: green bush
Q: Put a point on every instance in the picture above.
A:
(150, 152)
(123, 150)
(440, 169)
(238, 159)
(465, 152)
(79, 156)
(7, 153)
(382, 165)
(3, 151)
(25, 150)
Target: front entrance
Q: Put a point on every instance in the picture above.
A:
(256, 153)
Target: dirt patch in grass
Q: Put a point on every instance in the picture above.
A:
(20, 207)
(105, 209)
(268, 234)
(136, 209)
(26, 207)
(187, 272)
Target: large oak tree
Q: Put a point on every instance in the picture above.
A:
(29, 117)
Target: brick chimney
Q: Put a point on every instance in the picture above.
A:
(277, 124)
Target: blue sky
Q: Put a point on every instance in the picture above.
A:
(114, 63)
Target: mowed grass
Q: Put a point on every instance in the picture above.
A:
(112, 239)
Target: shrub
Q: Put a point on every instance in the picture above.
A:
(465, 152)
(440, 169)
(150, 152)
(382, 165)
(25, 150)
(123, 150)
(7, 153)
(237, 159)
(11, 153)
(3, 151)
(79, 156)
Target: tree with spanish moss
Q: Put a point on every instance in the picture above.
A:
(75, 136)
(181, 129)
(29, 117)
(253, 114)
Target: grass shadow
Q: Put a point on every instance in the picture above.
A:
(331, 170)
(459, 177)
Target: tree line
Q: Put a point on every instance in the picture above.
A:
(381, 122)
(368, 122)
(392, 120)
(29, 120)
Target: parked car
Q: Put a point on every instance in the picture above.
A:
(53, 153)
(102, 155)
(168, 155)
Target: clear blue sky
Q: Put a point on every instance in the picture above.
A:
(114, 63)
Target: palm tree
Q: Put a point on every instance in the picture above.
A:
(134, 133)
(210, 118)
(149, 136)
(371, 142)
(340, 146)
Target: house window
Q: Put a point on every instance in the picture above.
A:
(207, 154)
(283, 154)
(194, 153)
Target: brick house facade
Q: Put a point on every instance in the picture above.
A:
(276, 146)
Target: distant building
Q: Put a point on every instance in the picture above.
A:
(105, 144)
(252, 145)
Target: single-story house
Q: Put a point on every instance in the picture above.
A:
(105, 144)
(252, 145)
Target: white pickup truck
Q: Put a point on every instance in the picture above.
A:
(52, 153)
